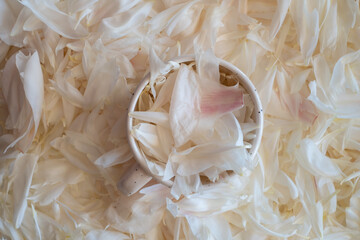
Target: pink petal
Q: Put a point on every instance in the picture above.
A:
(221, 101)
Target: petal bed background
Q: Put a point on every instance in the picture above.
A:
(68, 69)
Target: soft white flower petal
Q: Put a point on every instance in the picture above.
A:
(159, 118)
(183, 106)
(209, 228)
(21, 184)
(114, 157)
(314, 161)
(32, 79)
(278, 19)
(8, 16)
(121, 24)
(22, 86)
(59, 21)
(105, 234)
(307, 26)
(146, 134)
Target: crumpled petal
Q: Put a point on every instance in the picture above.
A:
(22, 86)
(114, 157)
(280, 14)
(201, 157)
(184, 107)
(21, 184)
(337, 99)
(121, 24)
(353, 211)
(307, 27)
(9, 12)
(59, 21)
(105, 234)
(310, 157)
(209, 228)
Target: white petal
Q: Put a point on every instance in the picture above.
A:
(329, 29)
(114, 157)
(286, 181)
(24, 99)
(47, 193)
(307, 27)
(146, 134)
(21, 177)
(164, 95)
(209, 228)
(8, 16)
(121, 24)
(185, 185)
(54, 171)
(211, 201)
(32, 79)
(353, 211)
(159, 118)
(105, 234)
(201, 157)
(101, 81)
(3, 50)
(78, 159)
(57, 20)
(76, 6)
(278, 19)
(314, 161)
(183, 106)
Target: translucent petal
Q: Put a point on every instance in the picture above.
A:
(278, 19)
(121, 24)
(184, 105)
(21, 177)
(57, 20)
(310, 157)
(307, 27)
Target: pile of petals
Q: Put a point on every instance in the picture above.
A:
(190, 124)
(69, 68)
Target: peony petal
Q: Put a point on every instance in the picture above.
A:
(159, 118)
(185, 185)
(353, 211)
(80, 5)
(114, 157)
(201, 157)
(173, 19)
(310, 157)
(23, 98)
(329, 29)
(8, 15)
(121, 24)
(105, 234)
(146, 134)
(105, 72)
(32, 79)
(48, 194)
(307, 27)
(78, 159)
(331, 99)
(165, 92)
(278, 19)
(211, 201)
(57, 20)
(286, 181)
(4, 48)
(221, 101)
(21, 177)
(209, 228)
(183, 107)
